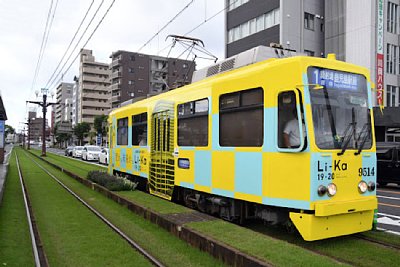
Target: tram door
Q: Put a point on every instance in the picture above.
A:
(162, 170)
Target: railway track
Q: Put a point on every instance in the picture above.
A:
(378, 242)
(37, 247)
(39, 253)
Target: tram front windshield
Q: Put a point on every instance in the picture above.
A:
(340, 112)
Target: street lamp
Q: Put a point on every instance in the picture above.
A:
(44, 104)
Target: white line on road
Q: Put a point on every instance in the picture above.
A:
(393, 198)
(388, 231)
(389, 215)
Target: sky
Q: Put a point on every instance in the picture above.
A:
(128, 25)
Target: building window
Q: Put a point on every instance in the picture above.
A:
(309, 21)
(139, 129)
(254, 25)
(131, 70)
(193, 123)
(392, 17)
(122, 132)
(130, 82)
(392, 96)
(232, 4)
(241, 118)
(132, 58)
(392, 58)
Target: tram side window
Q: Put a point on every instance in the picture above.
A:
(288, 125)
(139, 129)
(241, 118)
(193, 123)
(122, 132)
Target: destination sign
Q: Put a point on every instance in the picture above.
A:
(333, 79)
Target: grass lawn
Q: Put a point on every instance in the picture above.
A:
(15, 241)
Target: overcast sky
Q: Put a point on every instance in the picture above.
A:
(128, 26)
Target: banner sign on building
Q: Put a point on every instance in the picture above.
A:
(379, 55)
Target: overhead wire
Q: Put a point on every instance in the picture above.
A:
(50, 83)
(165, 26)
(41, 46)
(72, 40)
(90, 37)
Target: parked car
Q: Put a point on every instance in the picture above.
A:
(103, 156)
(388, 163)
(68, 151)
(91, 153)
(77, 152)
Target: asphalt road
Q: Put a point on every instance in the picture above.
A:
(389, 208)
(61, 152)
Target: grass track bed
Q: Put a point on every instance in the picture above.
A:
(160, 243)
(71, 234)
(15, 240)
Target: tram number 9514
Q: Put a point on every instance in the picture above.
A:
(367, 171)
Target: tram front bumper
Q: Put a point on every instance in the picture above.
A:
(335, 219)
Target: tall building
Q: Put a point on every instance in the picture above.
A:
(365, 33)
(295, 24)
(93, 91)
(64, 105)
(75, 101)
(135, 75)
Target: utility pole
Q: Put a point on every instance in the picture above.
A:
(44, 104)
(29, 133)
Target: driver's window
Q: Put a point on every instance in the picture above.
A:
(289, 136)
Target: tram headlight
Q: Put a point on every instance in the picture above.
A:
(321, 190)
(371, 186)
(332, 189)
(362, 187)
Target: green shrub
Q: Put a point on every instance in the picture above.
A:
(111, 182)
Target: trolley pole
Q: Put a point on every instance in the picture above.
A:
(44, 104)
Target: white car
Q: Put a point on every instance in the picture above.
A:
(91, 153)
(77, 152)
(103, 157)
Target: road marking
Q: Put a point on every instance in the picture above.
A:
(387, 220)
(394, 198)
(388, 191)
(389, 215)
(389, 205)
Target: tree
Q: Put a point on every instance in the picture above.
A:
(9, 130)
(100, 125)
(81, 130)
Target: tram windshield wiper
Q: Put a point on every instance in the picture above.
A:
(367, 130)
(347, 137)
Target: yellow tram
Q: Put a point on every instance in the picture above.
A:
(287, 140)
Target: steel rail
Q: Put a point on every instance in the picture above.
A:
(135, 245)
(37, 249)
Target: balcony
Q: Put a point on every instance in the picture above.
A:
(115, 63)
(115, 99)
(115, 87)
(96, 96)
(94, 103)
(116, 74)
(93, 112)
(95, 79)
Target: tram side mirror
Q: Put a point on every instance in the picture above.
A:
(317, 86)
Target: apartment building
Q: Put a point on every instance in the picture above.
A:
(64, 103)
(93, 88)
(135, 75)
(365, 33)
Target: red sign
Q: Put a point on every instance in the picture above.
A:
(379, 79)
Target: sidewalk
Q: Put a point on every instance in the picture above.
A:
(3, 171)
